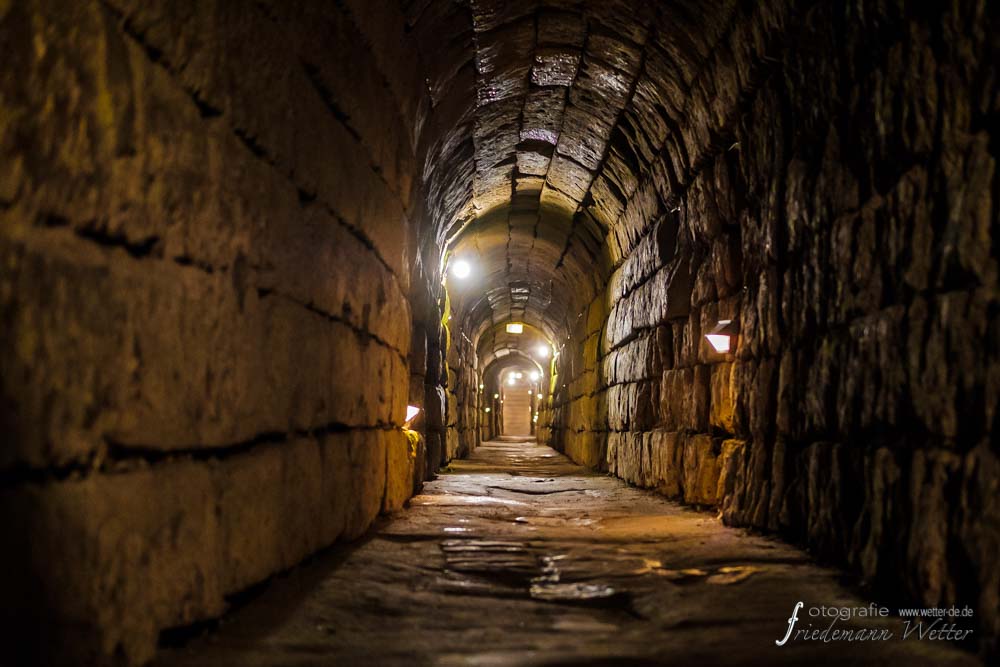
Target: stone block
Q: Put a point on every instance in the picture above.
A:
(701, 470)
(723, 397)
(698, 399)
(270, 510)
(730, 465)
(587, 448)
(402, 454)
(113, 559)
(676, 398)
(666, 457)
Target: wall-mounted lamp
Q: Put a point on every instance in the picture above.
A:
(721, 336)
(481, 387)
(534, 376)
(487, 410)
(511, 380)
(519, 375)
(496, 396)
(515, 328)
(542, 351)
(461, 269)
(411, 413)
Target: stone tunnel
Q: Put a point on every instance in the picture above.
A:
(499, 332)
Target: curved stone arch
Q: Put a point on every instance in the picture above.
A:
(510, 358)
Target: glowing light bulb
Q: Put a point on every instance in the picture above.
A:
(487, 410)
(511, 380)
(515, 328)
(534, 375)
(461, 269)
(542, 351)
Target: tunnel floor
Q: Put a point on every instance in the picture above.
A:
(516, 556)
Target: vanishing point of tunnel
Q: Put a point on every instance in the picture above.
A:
(499, 332)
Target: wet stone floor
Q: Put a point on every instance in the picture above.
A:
(516, 556)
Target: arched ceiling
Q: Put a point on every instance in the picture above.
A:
(495, 373)
(545, 115)
(495, 343)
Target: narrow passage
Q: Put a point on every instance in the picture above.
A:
(516, 556)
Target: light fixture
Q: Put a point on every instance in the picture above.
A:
(496, 396)
(487, 410)
(515, 328)
(519, 375)
(534, 376)
(511, 380)
(411, 413)
(535, 418)
(461, 269)
(721, 336)
(542, 351)
(529, 392)
(481, 386)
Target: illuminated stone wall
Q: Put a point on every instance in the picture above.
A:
(826, 177)
(221, 227)
(206, 225)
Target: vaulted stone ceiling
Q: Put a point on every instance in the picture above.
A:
(495, 343)
(545, 114)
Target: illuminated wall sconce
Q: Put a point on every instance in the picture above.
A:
(481, 387)
(721, 336)
(534, 376)
(529, 392)
(519, 375)
(411, 413)
(542, 351)
(511, 379)
(496, 396)
(461, 269)
(515, 328)
(487, 410)
(535, 418)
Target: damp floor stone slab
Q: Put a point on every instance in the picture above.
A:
(516, 556)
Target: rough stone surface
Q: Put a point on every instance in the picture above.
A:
(526, 559)
(205, 295)
(846, 221)
(227, 233)
(162, 545)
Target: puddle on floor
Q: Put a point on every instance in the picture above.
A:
(555, 521)
(577, 592)
(456, 500)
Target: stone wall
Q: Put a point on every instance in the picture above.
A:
(220, 224)
(206, 223)
(826, 177)
(463, 396)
